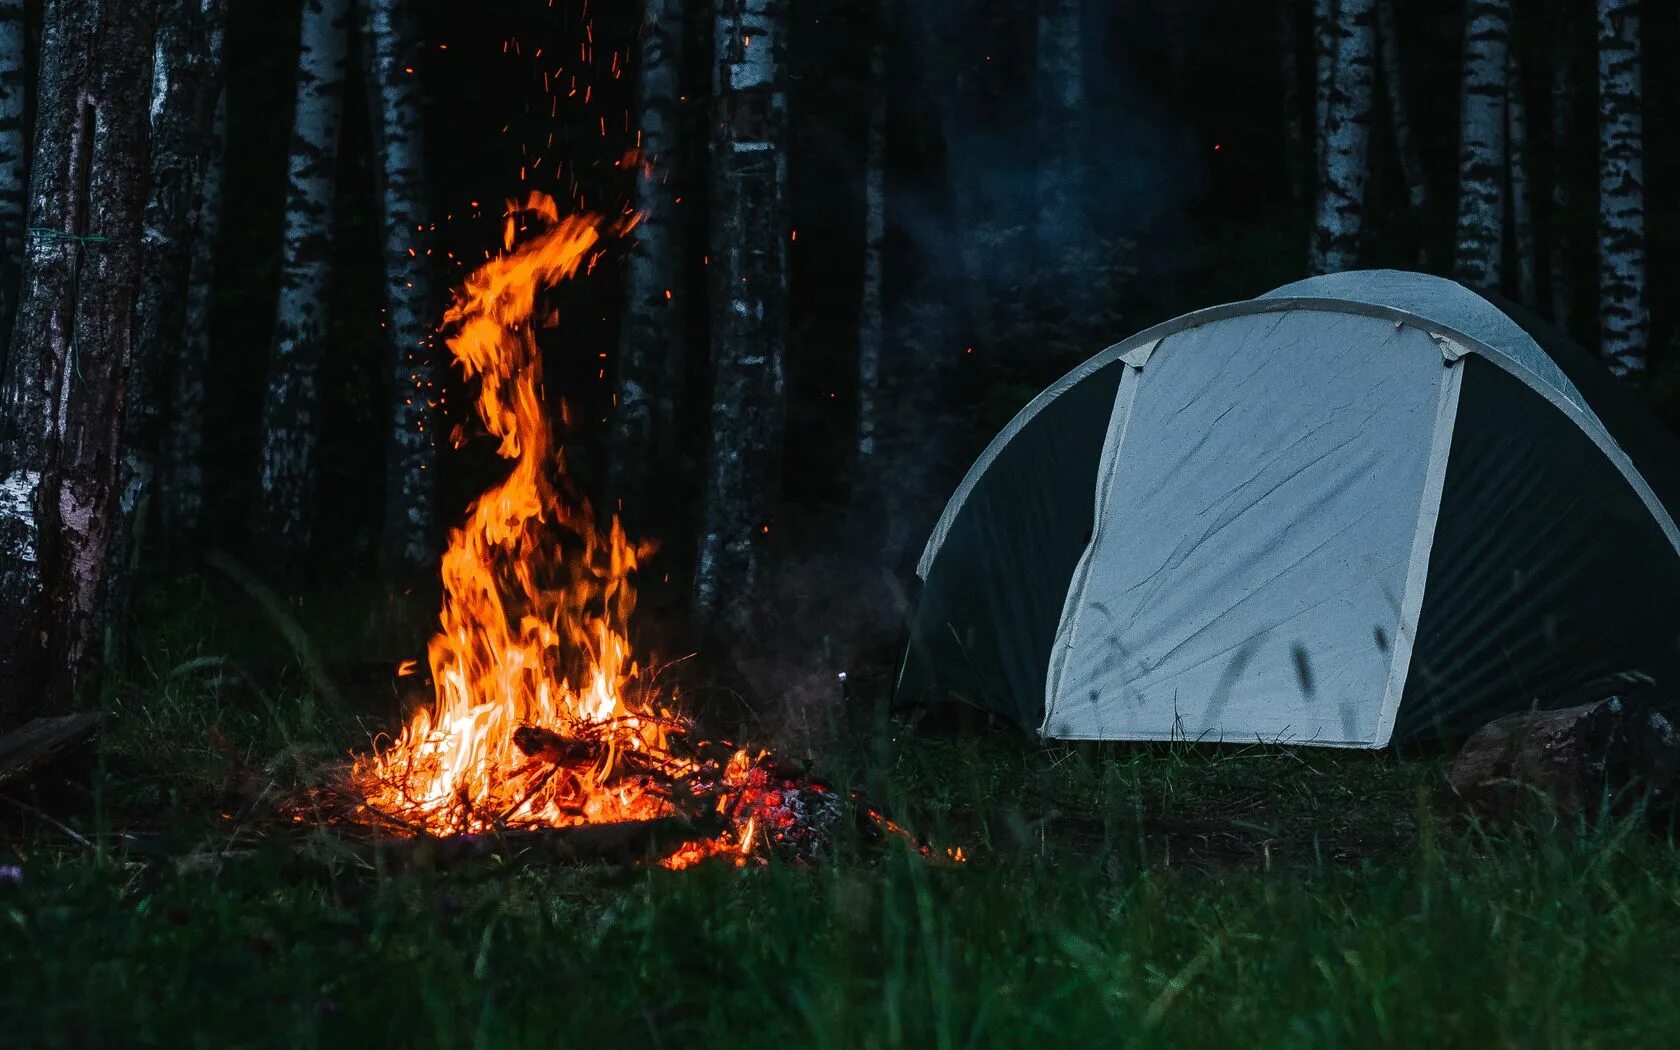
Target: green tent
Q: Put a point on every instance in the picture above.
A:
(1358, 508)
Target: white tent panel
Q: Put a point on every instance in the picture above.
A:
(1265, 504)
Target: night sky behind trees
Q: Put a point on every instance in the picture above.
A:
(1055, 175)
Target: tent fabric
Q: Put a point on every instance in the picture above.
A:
(1118, 564)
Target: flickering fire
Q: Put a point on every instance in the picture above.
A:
(541, 715)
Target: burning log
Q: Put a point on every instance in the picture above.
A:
(621, 842)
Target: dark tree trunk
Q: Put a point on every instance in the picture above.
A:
(1522, 208)
(1560, 244)
(61, 403)
(1399, 113)
(184, 455)
(651, 348)
(871, 319)
(14, 90)
(1065, 255)
(410, 478)
(1294, 122)
(291, 424)
(749, 306)
(186, 82)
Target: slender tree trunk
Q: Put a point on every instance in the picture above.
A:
(14, 88)
(1399, 113)
(1563, 137)
(749, 306)
(186, 81)
(184, 442)
(1324, 79)
(1294, 131)
(871, 321)
(291, 424)
(61, 402)
(1481, 149)
(651, 347)
(1623, 317)
(410, 477)
(1062, 228)
(1341, 204)
(1522, 211)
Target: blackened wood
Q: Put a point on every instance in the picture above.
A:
(618, 843)
(39, 740)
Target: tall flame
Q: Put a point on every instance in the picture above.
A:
(536, 601)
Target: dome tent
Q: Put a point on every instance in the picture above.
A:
(1359, 508)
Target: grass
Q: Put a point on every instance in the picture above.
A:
(1159, 896)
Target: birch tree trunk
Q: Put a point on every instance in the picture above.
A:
(1481, 149)
(1062, 227)
(61, 401)
(1623, 317)
(410, 480)
(1324, 78)
(1522, 211)
(291, 426)
(184, 442)
(1399, 113)
(651, 345)
(14, 88)
(186, 81)
(749, 306)
(871, 319)
(1347, 138)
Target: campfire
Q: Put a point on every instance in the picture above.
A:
(542, 718)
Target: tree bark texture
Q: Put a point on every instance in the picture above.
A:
(1324, 76)
(410, 478)
(871, 319)
(1347, 136)
(186, 82)
(291, 424)
(61, 402)
(184, 441)
(1481, 147)
(749, 306)
(1560, 244)
(14, 91)
(652, 347)
(1623, 317)
(1522, 206)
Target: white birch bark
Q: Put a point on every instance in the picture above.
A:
(1481, 150)
(14, 89)
(1324, 76)
(652, 346)
(410, 474)
(1347, 137)
(1623, 317)
(749, 307)
(871, 321)
(1522, 209)
(291, 423)
(184, 441)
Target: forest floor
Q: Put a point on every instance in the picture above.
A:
(1173, 895)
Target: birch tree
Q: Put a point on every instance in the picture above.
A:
(61, 399)
(1062, 175)
(1324, 76)
(1522, 211)
(1399, 113)
(1347, 136)
(871, 321)
(184, 441)
(749, 305)
(290, 424)
(186, 81)
(410, 498)
(14, 87)
(1623, 317)
(1481, 144)
(651, 344)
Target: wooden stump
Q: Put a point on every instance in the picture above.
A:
(1581, 758)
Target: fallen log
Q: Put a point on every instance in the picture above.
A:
(40, 740)
(1579, 759)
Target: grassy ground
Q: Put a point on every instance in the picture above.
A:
(1161, 895)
